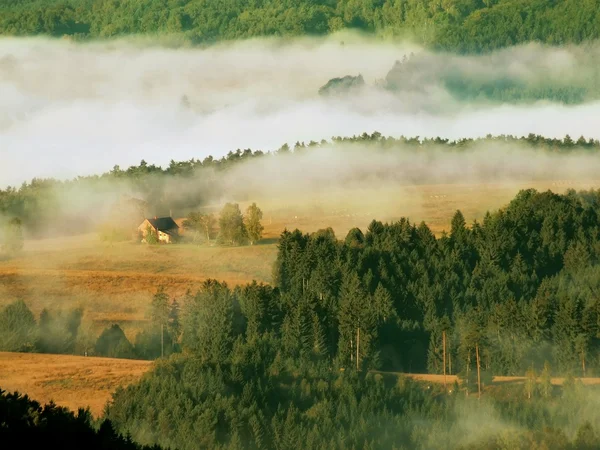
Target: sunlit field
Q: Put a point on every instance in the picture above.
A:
(71, 381)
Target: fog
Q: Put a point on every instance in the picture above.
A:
(71, 109)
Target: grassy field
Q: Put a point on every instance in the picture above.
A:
(115, 283)
(71, 381)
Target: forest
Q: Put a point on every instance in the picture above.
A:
(457, 25)
(269, 366)
(323, 348)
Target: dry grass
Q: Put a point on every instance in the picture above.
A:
(114, 284)
(71, 381)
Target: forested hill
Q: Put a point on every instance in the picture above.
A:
(460, 25)
(267, 367)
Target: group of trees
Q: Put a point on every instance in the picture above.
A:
(270, 366)
(459, 25)
(234, 227)
(42, 206)
(470, 80)
(27, 423)
(65, 332)
(54, 332)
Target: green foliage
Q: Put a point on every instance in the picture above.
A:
(337, 86)
(151, 344)
(150, 236)
(252, 223)
(11, 237)
(202, 226)
(208, 326)
(232, 230)
(58, 331)
(114, 344)
(17, 328)
(460, 25)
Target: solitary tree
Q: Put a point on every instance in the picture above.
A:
(17, 328)
(159, 312)
(252, 222)
(159, 315)
(231, 224)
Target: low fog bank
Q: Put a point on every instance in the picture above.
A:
(76, 109)
(327, 181)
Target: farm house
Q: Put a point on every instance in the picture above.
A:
(165, 229)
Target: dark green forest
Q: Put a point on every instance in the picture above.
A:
(314, 358)
(457, 25)
(54, 206)
(26, 423)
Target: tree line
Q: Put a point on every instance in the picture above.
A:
(456, 25)
(508, 294)
(42, 204)
(235, 228)
(67, 332)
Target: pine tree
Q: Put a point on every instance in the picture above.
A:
(159, 309)
(174, 321)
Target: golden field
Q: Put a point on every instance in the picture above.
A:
(71, 381)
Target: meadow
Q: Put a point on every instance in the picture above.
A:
(71, 381)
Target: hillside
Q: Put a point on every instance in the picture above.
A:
(460, 25)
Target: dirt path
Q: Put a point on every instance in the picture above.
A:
(497, 380)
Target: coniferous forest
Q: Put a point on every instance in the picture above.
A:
(315, 357)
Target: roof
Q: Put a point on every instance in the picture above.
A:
(163, 223)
